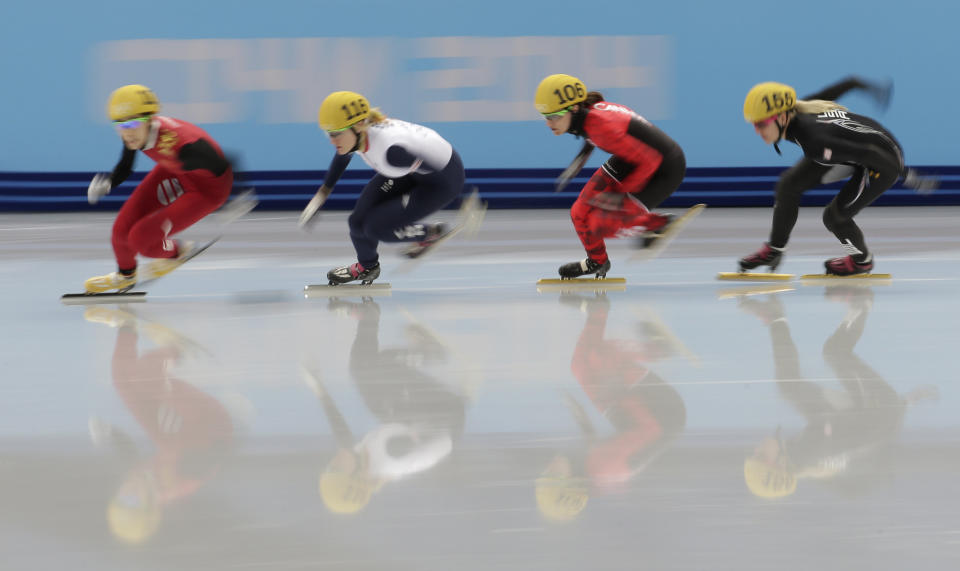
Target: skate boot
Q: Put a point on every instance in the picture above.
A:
(584, 267)
(164, 266)
(656, 229)
(432, 234)
(765, 256)
(353, 272)
(114, 281)
(845, 266)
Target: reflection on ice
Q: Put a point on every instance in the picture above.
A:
(851, 423)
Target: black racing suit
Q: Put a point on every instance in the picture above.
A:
(837, 145)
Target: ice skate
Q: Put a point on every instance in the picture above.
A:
(846, 266)
(655, 230)
(584, 267)
(434, 233)
(162, 267)
(661, 231)
(114, 282)
(471, 214)
(765, 256)
(352, 273)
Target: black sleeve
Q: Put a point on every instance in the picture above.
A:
(651, 135)
(123, 169)
(837, 90)
(200, 155)
(337, 166)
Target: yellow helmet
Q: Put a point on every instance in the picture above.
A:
(133, 513)
(768, 481)
(342, 109)
(767, 99)
(560, 499)
(557, 92)
(132, 101)
(345, 493)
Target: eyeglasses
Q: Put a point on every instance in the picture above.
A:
(130, 123)
(765, 122)
(555, 116)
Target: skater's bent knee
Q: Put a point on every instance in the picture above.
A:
(355, 221)
(833, 219)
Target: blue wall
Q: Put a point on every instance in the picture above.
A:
(253, 73)
(262, 68)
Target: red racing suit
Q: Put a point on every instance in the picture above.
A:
(191, 179)
(645, 162)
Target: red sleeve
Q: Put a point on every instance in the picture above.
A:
(609, 131)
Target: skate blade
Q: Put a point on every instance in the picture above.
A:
(671, 233)
(582, 281)
(581, 284)
(753, 277)
(154, 272)
(880, 279)
(109, 297)
(746, 291)
(346, 290)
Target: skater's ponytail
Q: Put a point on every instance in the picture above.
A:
(817, 106)
(376, 116)
(593, 97)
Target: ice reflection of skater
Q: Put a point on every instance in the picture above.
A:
(646, 413)
(849, 430)
(420, 417)
(190, 430)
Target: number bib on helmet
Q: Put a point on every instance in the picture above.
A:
(418, 140)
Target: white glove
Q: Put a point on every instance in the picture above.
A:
(920, 184)
(99, 187)
(313, 207)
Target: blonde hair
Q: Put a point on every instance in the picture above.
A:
(817, 106)
(376, 116)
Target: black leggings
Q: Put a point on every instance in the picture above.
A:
(861, 189)
(389, 207)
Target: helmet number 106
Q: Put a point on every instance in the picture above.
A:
(570, 91)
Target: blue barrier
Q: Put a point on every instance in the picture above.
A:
(501, 188)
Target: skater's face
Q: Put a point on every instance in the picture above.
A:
(769, 129)
(134, 132)
(559, 122)
(345, 141)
